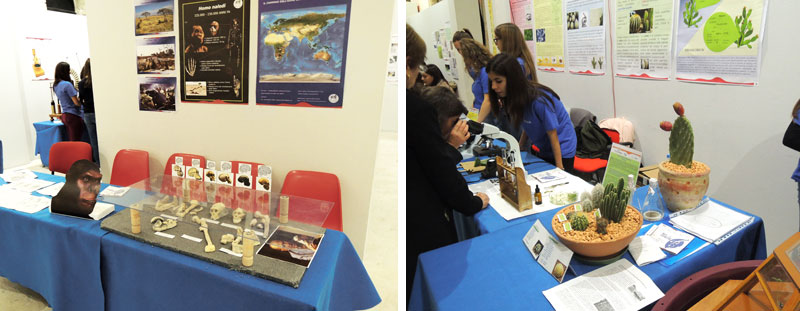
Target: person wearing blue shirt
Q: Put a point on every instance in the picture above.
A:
(509, 40)
(796, 174)
(534, 107)
(71, 110)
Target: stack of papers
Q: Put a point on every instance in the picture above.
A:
(550, 175)
(101, 210)
(29, 185)
(669, 239)
(51, 190)
(18, 175)
(113, 191)
(21, 201)
(645, 250)
(711, 221)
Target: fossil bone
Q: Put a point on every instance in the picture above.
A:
(185, 211)
(196, 210)
(199, 221)
(209, 245)
(238, 215)
(162, 205)
(218, 211)
(162, 224)
(264, 220)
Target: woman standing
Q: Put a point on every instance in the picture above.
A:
(87, 101)
(476, 56)
(796, 120)
(534, 107)
(432, 76)
(509, 40)
(71, 113)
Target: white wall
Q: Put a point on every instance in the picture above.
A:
(28, 101)
(738, 130)
(339, 141)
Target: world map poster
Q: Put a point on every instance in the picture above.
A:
(302, 48)
(213, 47)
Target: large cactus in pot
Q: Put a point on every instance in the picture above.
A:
(683, 182)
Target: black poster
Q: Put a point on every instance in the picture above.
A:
(213, 45)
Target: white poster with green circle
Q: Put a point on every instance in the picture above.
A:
(719, 41)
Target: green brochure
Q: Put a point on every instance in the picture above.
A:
(622, 161)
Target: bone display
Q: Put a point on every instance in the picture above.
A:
(218, 210)
(162, 224)
(238, 215)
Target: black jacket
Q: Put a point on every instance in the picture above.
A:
(434, 187)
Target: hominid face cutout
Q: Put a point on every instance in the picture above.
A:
(79, 194)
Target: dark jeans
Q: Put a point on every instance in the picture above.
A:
(74, 125)
(91, 127)
(569, 164)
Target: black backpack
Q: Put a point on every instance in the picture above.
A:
(593, 142)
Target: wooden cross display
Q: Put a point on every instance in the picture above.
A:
(513, 186)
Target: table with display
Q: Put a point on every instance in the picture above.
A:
(496, 271)
(76, 265)
(47, 134)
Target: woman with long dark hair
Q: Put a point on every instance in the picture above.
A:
(432, 76)
(509, 40)
(86, 97)
(71, 112)
(534, 107)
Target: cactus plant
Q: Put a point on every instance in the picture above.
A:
(635, 23)
(745, 27)
(579, 223)
(600, 61)
(614, 201)
(681, 138)
(647, 21)
(690, 16)
(594, 63)
(602, 223)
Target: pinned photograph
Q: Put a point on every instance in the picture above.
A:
(156, 94)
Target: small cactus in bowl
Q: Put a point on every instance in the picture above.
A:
(615, 201)
(579, 222)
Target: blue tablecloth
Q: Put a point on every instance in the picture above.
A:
(496, 272)
(138, 276)
(60, 258)
(47, 134)
(57, 256)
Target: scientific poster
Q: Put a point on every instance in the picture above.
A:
(302, 48)
(548, 25)
(522, 16)
(153, 16)
(156, 93)
(643, 42)
(490, 32)
(586, 36)
(43, 61)
(155, 55)
(719, 41)
(213, 41)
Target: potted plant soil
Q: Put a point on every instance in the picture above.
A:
(599, 237)
(683, 182)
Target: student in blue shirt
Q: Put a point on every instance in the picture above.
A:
(71, 110)
(796, 174)
(475, 58)
(509, 40)
(534, 107)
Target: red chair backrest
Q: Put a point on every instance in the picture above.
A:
(319, 186)
(187, 161)
(613, 134)
(130, 166)
(63, 154)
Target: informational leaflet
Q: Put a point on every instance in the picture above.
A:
(549, 28)
(710, 221)
(618, 286)
(586, 36)
(522, 16)
(302, 52)
(622, 161)
(643, 38)
(17, 175)
(214, 36)
(719, 41)
(29, 185)
(553, 256)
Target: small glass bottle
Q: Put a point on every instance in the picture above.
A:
(653, 208)
(537, 196)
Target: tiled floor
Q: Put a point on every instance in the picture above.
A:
(380, 255)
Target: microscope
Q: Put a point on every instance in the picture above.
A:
(481, 143)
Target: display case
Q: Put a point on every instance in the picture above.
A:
(239, 227)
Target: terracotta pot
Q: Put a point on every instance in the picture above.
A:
(599, 248)
(682, 190)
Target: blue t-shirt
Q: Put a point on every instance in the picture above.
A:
(480, 86)
(541, 117)
(796, 174)
(522, 64)
(64, 91)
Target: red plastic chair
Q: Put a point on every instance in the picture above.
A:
(697, 286)
(592, 166)
(64, 154)
(130, 167)
(319, 186)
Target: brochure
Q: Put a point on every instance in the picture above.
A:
(710, 221)
(553, 256)
(622, 161)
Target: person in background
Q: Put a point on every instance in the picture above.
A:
(534, 107)
(432, 76)
(508, 39)
(434, 187)
(87, 101)
(796, 174)
(476, 56)
(71, 112)
(461, 34)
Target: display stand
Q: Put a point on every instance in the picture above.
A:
(175, 219)
(513, 186)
